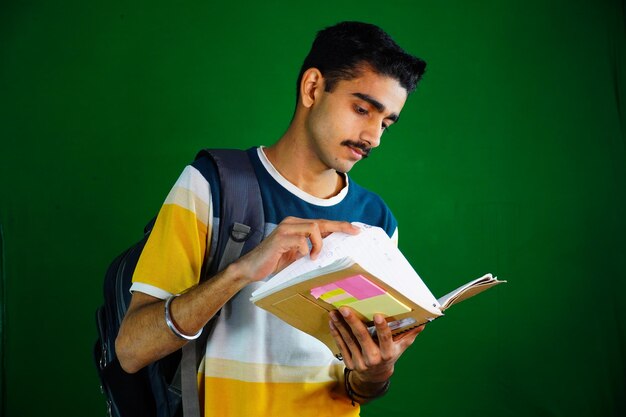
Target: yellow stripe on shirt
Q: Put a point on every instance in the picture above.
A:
(172, 260)
(227, 397)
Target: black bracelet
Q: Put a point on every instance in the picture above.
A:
(352, 394)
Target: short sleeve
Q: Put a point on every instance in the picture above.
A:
(171, 261)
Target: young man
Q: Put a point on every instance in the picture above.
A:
(352, 86)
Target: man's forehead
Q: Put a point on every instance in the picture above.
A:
(384, 93)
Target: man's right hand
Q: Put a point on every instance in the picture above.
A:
(287, 243)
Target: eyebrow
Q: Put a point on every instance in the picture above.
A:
(380, 107)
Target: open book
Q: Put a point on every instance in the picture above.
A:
(366, 272)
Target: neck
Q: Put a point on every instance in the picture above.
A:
(298, 163)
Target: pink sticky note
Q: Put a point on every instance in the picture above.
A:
(317, 292)
(360, 287)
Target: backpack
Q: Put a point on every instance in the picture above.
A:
(168, 387)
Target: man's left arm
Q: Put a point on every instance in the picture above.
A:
(369, 362)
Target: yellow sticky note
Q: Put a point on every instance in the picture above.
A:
(383, 304)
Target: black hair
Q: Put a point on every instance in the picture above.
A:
(342, 51)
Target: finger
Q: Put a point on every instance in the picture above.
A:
(315, 237)
(325, 227)
(330, 226)
(290, 249)
(293, 220)
(287, 231)
(352, 347)
(287, 242)
(343, 349)
(310, 229)
(390, 346)
(385, 339)
(314, 230)
(303, 246)
(406, 339)
(369, 352)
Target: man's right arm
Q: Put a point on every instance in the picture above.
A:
(144, 335)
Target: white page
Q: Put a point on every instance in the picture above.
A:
(486, 280)
(374, 251)
(378, 254)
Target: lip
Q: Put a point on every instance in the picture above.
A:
(358, 154)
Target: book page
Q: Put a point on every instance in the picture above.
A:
(377, 253)
(469, 290)
(373, 250)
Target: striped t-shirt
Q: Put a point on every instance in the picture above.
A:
(255, 364)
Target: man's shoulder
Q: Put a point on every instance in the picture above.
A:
(206, 166)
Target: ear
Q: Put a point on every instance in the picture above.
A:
(311, 86)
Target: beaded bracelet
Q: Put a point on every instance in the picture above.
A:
(352, 394)
(172, 326)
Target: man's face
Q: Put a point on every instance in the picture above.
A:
(345, 124)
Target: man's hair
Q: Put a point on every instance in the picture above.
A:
(342, 51)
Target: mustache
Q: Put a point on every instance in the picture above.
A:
(359, 145)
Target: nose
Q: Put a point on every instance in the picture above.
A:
(372, 133)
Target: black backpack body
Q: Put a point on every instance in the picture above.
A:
(158, 390)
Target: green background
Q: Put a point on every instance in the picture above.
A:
(509, 159)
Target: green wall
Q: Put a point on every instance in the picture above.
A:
(508, 159)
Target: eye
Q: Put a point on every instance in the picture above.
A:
(360, 110)
(385, 127)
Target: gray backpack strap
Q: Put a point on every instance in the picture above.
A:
(242, 220)
(237, 238)
(189, 380)
(241, 228)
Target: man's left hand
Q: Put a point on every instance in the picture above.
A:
(372, 361)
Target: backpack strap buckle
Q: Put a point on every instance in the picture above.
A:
(240, 232)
